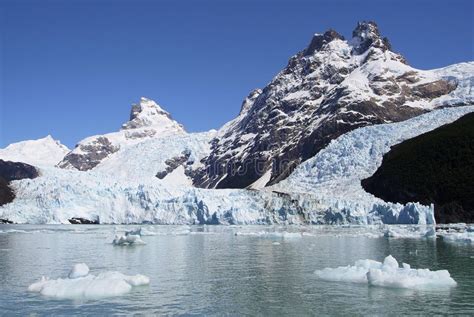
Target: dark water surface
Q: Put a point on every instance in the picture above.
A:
(213, 271)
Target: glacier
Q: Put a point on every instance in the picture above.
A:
(323, 190)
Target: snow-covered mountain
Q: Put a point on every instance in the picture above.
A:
(147, 120)
(331, 87)
(41, 152)
(300, 145)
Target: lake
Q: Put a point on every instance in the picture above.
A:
(234, 270)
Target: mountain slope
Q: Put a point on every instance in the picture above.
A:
(434, 168)
(41, 152)
(331, 87)
(147, 120)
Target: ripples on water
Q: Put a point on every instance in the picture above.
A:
(229, 270)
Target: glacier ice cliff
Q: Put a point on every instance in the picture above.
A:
(324, 190)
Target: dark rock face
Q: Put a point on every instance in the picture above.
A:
(434, 89)
(433, 168)
(173, 164)
(83, 221)
(93, 154)
(320, 95)
(321, 39)
(6, 193)
(10, 171)
(367, 34)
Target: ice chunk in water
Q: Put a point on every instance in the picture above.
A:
(130, 238)
(388, 274)
(83, 285)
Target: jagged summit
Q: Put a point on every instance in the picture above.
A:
(365, 35)
(147, 120)
(147, 113)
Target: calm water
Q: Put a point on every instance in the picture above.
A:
(210, 271)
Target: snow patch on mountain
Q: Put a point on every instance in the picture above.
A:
(142, 161)
(41, 152)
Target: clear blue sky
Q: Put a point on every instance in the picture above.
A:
(72, 68)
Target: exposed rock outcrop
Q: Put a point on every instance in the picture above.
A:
(174, 163)
(83, 221)
(10, 171)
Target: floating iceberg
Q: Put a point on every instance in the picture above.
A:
(388, 274)
(81, 284)
(130, 238)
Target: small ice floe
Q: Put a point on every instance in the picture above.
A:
(130, 238)
(411, 232)
(81, 284)
(388, 274)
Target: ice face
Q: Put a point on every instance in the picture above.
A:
(80, 284)
(388, 274)
(323, 190)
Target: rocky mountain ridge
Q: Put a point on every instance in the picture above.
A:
(331, 87)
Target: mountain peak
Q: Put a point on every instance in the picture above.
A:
(147, 113)
(40, 152)
(367, 34)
